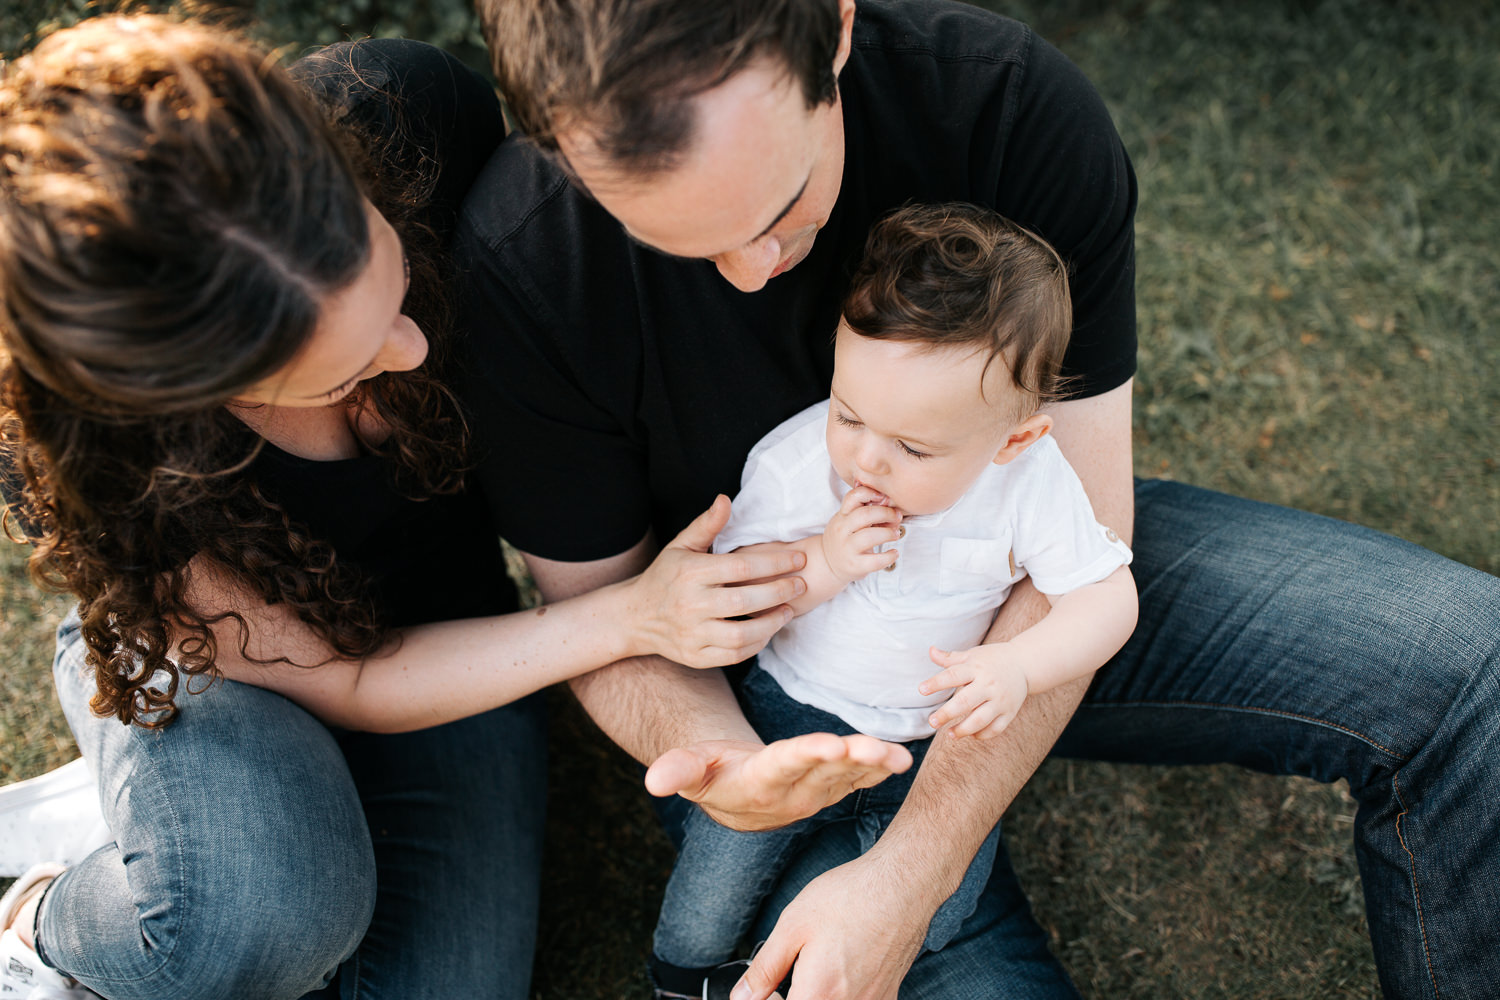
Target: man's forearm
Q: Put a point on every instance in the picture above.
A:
(965, 785)
(648, 705)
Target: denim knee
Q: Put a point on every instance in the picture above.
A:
(257, 926)
(242, 864)
(286, 941)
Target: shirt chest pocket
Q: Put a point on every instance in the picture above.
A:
(969, 565)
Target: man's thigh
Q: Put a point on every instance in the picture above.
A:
(1283, 641)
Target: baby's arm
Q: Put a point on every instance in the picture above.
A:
(1083, 629)
(845, 551)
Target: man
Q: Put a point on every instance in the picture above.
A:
(655, 283)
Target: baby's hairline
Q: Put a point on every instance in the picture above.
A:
(1027, 401)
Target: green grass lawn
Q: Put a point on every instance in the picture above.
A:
(1318, 292)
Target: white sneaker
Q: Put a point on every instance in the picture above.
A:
(53, 817)
(22, 974)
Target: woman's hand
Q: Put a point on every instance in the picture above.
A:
(706, 610)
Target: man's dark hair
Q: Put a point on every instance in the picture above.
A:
(956, 274)
(626, 71)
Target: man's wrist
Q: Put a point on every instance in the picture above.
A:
(928, 877)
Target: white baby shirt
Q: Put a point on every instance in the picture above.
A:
(862, 653)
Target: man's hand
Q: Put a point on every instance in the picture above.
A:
(991, 688)
(706, 610)
(853, 933)
(747, 786)
(862, 522)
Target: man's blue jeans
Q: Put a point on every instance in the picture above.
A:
(258, 853)
(1291, 644)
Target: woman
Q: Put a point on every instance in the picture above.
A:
(225, 429)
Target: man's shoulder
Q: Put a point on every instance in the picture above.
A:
(946, 29)
(540, 259)
(518, 194)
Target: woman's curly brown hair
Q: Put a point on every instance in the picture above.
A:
(173, 210)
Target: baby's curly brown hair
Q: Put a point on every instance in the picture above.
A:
(955, 274)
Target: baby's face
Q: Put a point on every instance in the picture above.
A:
(910, 421)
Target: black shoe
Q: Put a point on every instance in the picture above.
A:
(722, 979)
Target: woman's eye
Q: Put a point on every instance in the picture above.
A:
(343, 390)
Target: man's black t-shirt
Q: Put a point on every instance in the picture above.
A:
(615, 389)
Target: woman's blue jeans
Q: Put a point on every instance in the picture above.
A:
(258, 854)
(1291, 644)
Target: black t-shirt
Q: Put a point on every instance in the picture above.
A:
(439, 558)
(428, 560)
(615, 389)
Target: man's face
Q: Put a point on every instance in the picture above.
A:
(759, 179)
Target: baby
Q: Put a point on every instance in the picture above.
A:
(921, 492)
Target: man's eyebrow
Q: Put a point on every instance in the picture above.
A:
(789, 206)
(632, 237)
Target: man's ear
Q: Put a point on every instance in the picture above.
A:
(846, 35)
(1022, 436)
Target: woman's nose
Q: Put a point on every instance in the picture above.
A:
(404, 349)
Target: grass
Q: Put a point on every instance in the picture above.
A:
(1318, 288)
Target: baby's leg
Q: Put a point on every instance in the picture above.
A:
(717, 886)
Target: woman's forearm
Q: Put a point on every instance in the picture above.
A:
(438, 672)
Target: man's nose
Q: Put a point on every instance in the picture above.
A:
(750, 267)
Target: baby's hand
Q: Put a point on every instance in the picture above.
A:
(991, 688)
(863, 521)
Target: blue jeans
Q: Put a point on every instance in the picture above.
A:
(1290, 644)
(722, 876)
(259, 854)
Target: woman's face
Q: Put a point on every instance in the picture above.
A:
(361, 332)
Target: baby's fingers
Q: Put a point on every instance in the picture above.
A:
(872, 515)
(865, 539)
(861, 496)
(947, 657)
(951, 678)
(954, 709)
(984, 715)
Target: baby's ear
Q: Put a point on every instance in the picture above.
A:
(1022, 436)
